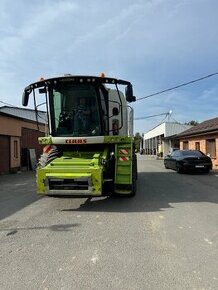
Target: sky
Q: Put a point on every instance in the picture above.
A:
(154, 44)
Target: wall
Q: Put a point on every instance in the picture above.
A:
(12, 130)
(30, 140)
(12, 126)
(166, 147)
(157, 131)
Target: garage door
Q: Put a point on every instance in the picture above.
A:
(4, 154)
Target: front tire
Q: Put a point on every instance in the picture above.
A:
(179, 168)
(166, 166)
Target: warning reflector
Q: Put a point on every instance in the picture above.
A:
(123, 158)
(123, 151)
(47, 148)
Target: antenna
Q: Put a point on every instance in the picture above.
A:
(169, 114)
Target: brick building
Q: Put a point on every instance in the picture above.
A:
(202, 137)
(18, 134)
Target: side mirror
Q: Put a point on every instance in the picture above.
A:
(129, 94)
(115, 111)
(25, 98)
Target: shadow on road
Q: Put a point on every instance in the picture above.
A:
(16, 192)
(156, 192)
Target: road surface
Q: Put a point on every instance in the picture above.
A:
(166, 237)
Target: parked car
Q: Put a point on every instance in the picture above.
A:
(188, 160)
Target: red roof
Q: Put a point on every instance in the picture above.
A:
(209, 126)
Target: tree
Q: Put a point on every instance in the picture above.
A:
(192, 123)
(138, 140)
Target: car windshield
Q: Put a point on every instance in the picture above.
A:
(192, 153)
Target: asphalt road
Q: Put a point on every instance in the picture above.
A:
(166, 237)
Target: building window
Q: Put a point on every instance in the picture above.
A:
(211, 148)
(185, 145)
(197, 145)
(15, 149)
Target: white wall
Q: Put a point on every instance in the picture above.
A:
(167, 129)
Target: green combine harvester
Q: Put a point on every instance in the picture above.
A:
(90, 149)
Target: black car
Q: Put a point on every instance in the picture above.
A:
(188, 160)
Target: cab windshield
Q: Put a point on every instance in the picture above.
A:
(75, 110)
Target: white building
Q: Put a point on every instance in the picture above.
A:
(161, 140)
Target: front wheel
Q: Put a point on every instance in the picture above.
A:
(165, 165)
(134, 186)
(178, 168)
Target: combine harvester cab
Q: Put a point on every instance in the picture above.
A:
(90, 149)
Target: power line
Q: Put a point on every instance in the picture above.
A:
(9, 104)
(163, 91)
(140, 118)
(178, 86)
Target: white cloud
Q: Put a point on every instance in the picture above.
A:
(154, 44)
(48, 16)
